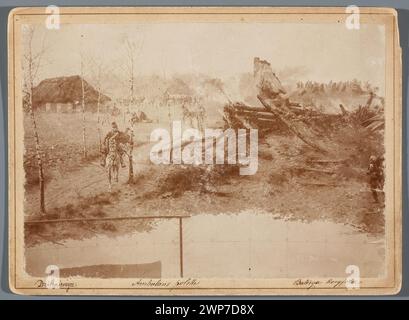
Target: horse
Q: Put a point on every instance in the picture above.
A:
(112, 161)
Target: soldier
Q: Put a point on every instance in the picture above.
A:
(116, 134)
(376, 175)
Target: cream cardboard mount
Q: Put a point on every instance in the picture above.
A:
(204, 151)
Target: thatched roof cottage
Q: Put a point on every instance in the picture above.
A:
(64, 94)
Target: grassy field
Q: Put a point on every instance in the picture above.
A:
(61, 140)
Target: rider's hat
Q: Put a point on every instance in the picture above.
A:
(114, 125)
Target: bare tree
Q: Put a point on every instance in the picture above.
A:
(84, 134)
(31, 65)
(98, 68)
(131, 51)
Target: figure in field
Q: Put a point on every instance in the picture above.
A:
(113, 153)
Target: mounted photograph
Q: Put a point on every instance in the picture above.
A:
(204, 151)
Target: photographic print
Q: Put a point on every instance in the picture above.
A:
(192, 151)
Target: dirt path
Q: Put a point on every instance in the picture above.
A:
(90, 179)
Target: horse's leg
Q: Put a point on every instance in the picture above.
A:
(116, 172)
(109, 178)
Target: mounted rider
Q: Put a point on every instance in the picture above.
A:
(116, 135)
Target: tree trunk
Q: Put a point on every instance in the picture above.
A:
(31, 69)
(130, 157)
(84, 136)
(38, 154)
(98, 121)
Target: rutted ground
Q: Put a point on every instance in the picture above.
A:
(291, 183)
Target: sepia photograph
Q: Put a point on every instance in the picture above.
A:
(185, 151)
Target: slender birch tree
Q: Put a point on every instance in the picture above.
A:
(31, 64)
(84, 133)
(131, 50)
(98, 69)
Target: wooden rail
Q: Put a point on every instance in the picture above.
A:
(180, 218)
(102, 219)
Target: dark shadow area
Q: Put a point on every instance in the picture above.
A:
(403, 22)
(3, 149)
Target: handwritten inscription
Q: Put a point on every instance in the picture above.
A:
(313, 283)
(155, 283)
(191, 282)
(61, 285)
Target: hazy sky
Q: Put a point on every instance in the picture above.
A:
(319, 52)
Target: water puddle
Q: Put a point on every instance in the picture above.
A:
(244, 245)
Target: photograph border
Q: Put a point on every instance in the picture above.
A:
(394, 65)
